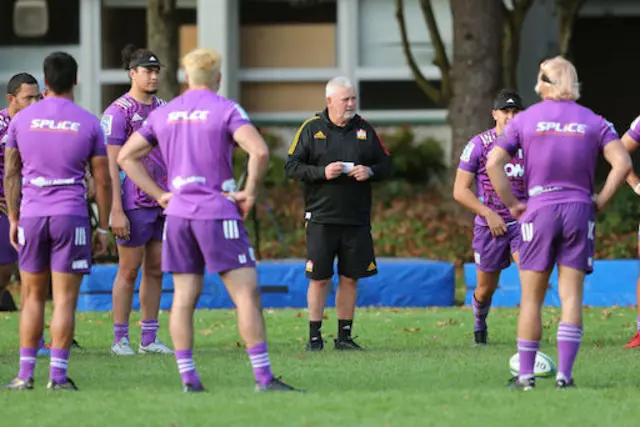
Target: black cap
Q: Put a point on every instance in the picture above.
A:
(147, 60)
(507, 99)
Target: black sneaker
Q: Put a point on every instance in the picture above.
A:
(68, 385)
(315, 344)
(18, 384)
(190, 388)
(275, 385)
(346, 344)
(562, 383)
(480, 338)
(524, 385)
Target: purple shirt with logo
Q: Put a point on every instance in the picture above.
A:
(561, 141)
(56, 139)
(634, 130)
(195, 135)
(474, 160)
(119, 121)
(4, 128)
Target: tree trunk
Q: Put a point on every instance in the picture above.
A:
(567, 11)
(162, 39)
(476, 68)
(513, 21)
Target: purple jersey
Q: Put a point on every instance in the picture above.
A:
(56, 139)
(561, 141)
(195, 135)
(123, 117)
(4, 128)
(633, 132)
(474, 160)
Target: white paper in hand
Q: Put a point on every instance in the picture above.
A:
(347, 166)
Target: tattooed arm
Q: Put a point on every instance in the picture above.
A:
(13, 182)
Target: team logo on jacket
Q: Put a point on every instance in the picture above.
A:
(361, 134)
(319, 135)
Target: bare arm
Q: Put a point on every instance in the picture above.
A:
(252, 143)
(621, 166)
(130, 160)
(463, 194)
(102, 182)
(631, 145)
(13, 182)
(497, 159)
(114, 172)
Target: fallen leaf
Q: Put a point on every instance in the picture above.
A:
(300, 356)
(238, 344)
(411, 329)
(450, 322)
(299, 315)
(325, 316)
(99, 322)
(205, 332)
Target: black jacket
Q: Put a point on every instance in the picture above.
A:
(317, 143)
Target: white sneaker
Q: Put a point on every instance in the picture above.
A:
(155, 347)
(122, 348)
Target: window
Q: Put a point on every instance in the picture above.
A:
(394, 95)
(121, 26)
(259, 12)
(112, 92)
(64, 25)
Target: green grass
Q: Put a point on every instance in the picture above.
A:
(420, 370)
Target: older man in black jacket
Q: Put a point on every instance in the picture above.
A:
(336, 154)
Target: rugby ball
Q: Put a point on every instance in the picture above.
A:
(544, 367)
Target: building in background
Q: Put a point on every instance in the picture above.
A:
(278, 56)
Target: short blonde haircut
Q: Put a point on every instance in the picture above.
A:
(202, 66)
(563, 79)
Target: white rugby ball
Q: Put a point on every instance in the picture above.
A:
(544, 366)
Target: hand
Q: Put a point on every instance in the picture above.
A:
(91, 187)
(360, 173)
(13, 235)
(333, 170)
(100, 243)
(518, 210)
(599, 203)
(496, 224)
(636, 189)
(120, 224)
(245, 202)
(163, 200)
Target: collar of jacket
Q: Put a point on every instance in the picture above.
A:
(324, 115)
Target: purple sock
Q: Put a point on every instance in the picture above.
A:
(27, 362)
(149, 331)
(638, 323)
(41, 344)
(527, 351)
(58, 365)
(569, 337)
(480, 312)
(120, 330)
(187, 368)
(259, 357)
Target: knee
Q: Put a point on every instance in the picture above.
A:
(319, 283)
(128, 275)
(348, 282)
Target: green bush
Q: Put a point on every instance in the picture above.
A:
(275, 176)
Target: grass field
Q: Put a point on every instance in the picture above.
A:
(420, 370)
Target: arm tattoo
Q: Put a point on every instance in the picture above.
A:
(13, 181)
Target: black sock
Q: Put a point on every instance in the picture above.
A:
(315, 330)
(344, 329)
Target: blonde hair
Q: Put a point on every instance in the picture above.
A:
(202, 66)
(563, 80)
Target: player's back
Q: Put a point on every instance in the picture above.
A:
(561, 142)
(195, 135)
(56, 139)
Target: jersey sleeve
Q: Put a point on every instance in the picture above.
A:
(634, 130)
(148, 131)
(114, 125)
(12, 140)
(470, 157)
(510, 139)
(99, 141)
(607, 133)
(238, 117)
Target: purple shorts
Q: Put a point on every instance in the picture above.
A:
(493, 254)
(62, 243)
(144, 225)
(190, 244)
(8, 254)
(562, 233)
